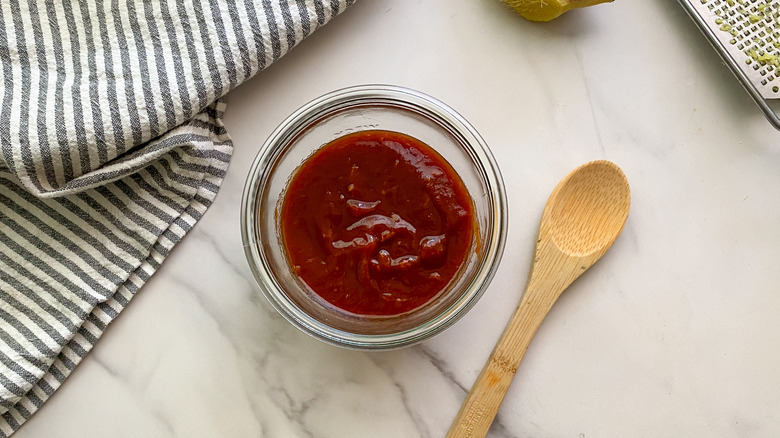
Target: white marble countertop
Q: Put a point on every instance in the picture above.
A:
(673, 333)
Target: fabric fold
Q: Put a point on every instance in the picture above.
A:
(70, 264)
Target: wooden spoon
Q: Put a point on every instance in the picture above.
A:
(583, 217)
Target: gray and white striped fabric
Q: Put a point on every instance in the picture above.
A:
(112, 147)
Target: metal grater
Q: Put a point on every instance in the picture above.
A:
(746, 34)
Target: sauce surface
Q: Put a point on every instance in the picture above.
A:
(376, 222)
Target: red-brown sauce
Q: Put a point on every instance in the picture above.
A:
(376, 222)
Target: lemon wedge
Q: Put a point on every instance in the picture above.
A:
(546, 10)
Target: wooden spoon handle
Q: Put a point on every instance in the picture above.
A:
(482, 403)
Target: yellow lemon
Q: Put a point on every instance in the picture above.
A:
(546, 10)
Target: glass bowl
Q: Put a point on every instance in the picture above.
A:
(371, 107)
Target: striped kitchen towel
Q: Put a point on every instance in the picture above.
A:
(111, 148)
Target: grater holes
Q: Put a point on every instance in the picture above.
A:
(754, 36)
